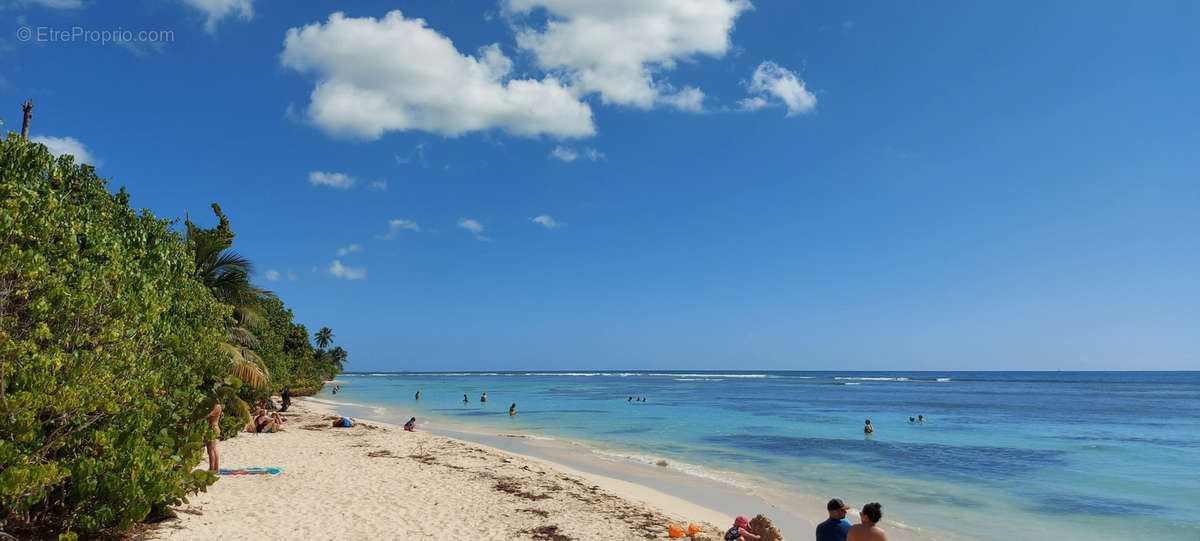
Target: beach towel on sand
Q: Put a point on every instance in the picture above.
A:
(250, 471)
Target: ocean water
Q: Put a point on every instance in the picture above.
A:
(1004, 455)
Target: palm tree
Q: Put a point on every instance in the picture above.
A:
(227, 275)
(324, 337)
(337, 357)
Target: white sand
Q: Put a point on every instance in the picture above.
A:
(375, 481)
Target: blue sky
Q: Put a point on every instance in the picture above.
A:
(776, 185)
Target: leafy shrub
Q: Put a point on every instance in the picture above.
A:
(107, 352)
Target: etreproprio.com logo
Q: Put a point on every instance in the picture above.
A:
(79, 34)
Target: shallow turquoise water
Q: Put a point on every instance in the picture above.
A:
(1037, 455)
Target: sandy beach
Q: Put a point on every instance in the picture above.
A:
(376, 481)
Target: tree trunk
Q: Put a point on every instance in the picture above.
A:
(28, 108)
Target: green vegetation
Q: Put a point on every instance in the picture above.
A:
(117, 336)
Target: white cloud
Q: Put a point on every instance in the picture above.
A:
(336, 180)
(619, 49)
(378, 186)
(753, 104)
(473, 226)
(215, 10)
(545, 221)
(351, 249)
(67, 145)
(397, 74)
(272, 275)
(59, 4)
(568, 154)
(772, 81)
(565, 154)
(396, 225)
(349, 273)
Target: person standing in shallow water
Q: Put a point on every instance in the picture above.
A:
(483, 397)
(465, 400)
(418, 396)
(868, 429)
(512, 410)
(867, 529)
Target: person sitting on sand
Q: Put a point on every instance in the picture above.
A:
(411, 424)
(868, 429)
(343, 422)
(835, 528)
(214, 421)
(740, 530)
(867, 529)
(263, 423)
(512, 410)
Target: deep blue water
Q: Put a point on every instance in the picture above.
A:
(1040, 455)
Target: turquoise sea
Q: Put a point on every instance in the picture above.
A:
(1004, 455)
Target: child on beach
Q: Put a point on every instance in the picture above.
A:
(740, 530)
(411, 424)
(344, 422)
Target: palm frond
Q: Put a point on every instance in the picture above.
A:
(246, 365)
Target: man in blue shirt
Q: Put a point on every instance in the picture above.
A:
(836, 527)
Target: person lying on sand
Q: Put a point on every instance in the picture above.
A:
(344, 422)
(740, 530)
(411, 424)
(867, 530)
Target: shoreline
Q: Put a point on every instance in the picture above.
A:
(376, 481)
(793, 511)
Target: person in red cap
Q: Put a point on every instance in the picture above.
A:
(740, 531)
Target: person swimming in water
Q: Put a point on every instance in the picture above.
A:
(630, 400)
(483, 397)
(411, 424)
(868, 429)
(512, 410)
(911, 420)
(921, 419)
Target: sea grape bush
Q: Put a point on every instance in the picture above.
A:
(107, 352)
